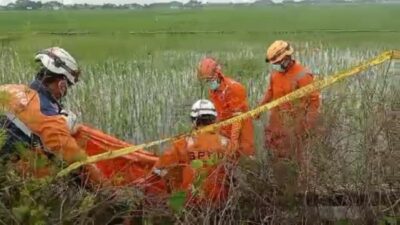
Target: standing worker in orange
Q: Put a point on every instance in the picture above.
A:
(174, 164)
(230, 99)
(290, 122)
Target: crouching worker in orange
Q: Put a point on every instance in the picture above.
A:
(206, 149)
(290, 123)
(230, 99)
(34, 117)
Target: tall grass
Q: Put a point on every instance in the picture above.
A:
(143, 99)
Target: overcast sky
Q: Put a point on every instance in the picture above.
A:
(5, 2)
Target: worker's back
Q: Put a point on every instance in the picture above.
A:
(204, 146)
(212, 149)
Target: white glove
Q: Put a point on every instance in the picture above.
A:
(71, 120)
(160, 172)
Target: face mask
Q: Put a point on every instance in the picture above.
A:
(213, 84)
(281, 67)
(278, 67)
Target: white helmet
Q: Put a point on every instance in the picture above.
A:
(59, 61)
(203, 107)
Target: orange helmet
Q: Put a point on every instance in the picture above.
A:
(277, 51)
(208, 68)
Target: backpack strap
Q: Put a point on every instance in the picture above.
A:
(35, 141)
(19, 124)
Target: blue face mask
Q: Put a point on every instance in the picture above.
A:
(278, 67)
(282, 66)
(213, 84)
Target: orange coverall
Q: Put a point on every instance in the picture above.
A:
(33, 109)
(181, 175)
(26, 105)
(289, 123)
(230, 99)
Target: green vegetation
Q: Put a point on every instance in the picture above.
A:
(140, 88)
(108, 30)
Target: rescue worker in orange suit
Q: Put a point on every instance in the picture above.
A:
(34, 116)
(230, 99)
(289, 123)
(174, 164)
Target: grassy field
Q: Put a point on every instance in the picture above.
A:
(344, 26)
(163, 64)
(140, 86)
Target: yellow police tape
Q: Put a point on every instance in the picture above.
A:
(317, 85)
